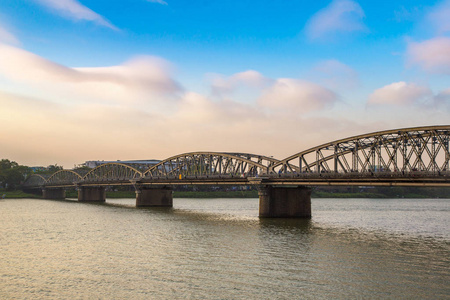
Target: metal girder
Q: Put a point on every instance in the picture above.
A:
(35, 180)
(112, 173)
(399, 150)
(64, 177)
(403, 154)
(210, 164)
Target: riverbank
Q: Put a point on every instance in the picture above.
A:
(18, 195)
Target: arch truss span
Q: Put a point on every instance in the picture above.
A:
(211, 164)
(64, 177)
(34, 181)
(111, 173)
(418, 149)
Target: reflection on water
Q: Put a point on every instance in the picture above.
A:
(220, 249)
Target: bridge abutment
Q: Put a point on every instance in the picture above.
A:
(92, 194)
(154, 197)
(54, 194)
(284, 202)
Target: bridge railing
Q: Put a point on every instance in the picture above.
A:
(368, 174)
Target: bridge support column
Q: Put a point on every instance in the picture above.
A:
(92, 194)
(284, 202)
(54, 194)
(154, 197)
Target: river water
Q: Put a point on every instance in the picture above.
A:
(220, 249)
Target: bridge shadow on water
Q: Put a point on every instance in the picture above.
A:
(219, 216)
(304, 225)
(300, 231)
(212, 214)
(130, 205)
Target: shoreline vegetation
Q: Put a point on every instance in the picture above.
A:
(17, 194)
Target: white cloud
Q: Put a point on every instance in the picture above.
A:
(126, 112)
(442, 99)
(158, 1)
(75, 10)
(439, 17)
(432, 55)
(19, 64)
(196, 109)
(99, 131)
(7, 37)
(297, 96)
(335, 75)
(400, 94)
(107, 109)
(148, 73)
(250, 78)
(144, 77)
(340, 16)
(274, 96)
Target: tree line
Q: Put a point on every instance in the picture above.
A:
(12, 175)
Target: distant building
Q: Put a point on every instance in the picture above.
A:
(141, 165)
(36, 169)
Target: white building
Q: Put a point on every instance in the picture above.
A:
(138, 164)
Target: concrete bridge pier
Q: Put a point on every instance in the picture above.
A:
(92, 194)
(54, 194)
(284, 202)
(154, 197)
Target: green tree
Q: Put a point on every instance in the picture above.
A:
(12, 174)
(6, 164)
(54, 168)
(50, 169)
(82, 170)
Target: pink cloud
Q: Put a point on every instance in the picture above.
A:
(143, 72)
(340, 16)
(296, 96)
(250, 78)
(124, 112)
(335, 75)
(432, 55)
(399, 93)
(141, 77)
(442, 99)
(7, 37)
(75, 10)
(439, 17)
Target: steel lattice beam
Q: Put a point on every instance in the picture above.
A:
(419, 155)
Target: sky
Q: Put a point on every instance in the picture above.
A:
(149, 79)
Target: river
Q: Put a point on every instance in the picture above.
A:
(220, 249)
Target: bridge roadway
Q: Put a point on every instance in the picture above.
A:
(416, 156)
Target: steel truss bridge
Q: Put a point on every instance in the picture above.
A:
(417, 156)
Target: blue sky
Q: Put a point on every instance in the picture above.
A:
(139, 79)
